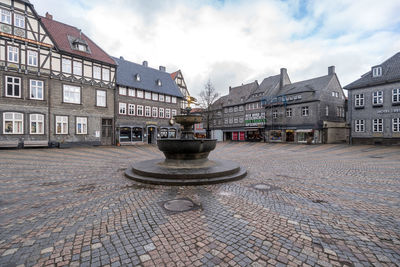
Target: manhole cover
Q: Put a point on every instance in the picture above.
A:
(179, 205)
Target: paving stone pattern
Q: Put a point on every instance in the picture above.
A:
(318, 205)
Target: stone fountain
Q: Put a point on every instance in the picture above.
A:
(186, 160)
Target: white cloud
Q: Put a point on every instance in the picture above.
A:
(240, 41)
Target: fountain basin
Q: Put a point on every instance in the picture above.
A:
(186, 149)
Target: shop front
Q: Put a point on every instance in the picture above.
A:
(255, 134)
(136, 134)
(290, 136)
(275, 135)
(130, 134)
(234, 135)
(167, 132)
(238, 136)
(305, 136)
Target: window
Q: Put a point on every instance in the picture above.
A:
(377, 125)
(97, 72)
(147, 111)
(72, 94)
(139, 110)
(359, 126)
(241, 119)
(37, 122)
(304, 111)
(147, 95)
(289, 112)
(106, 75)
(225, 121)
(377, 98)
(230, 120)
(101, 98)
(334, 94)
(396, 125)
(122, 108)
(13, 86)
(219, 113)
(36, 89)
(122, 91)
(78, 68)
(231, 109)
(131, 92)
(161, 98)
(154, 112)
(154, 97)
(359, 100)
(225, 110)
(240, 108)
(341, 112)
(167, 98)
(137, 77)
(235, 120)
(159, 82)
(376, 71)
(139, 93)
(13, 54)
(173, 100)
(81, 125)
(61, 125)
(167, 113)
(275, 114)
(13, 123)
(327, 111)
(32, 58)
(161, 112)
(131, 109)
(19, 21)
(5, 16)
(66, 65)
(235, 109)
(299, 97)
(173, 112)
(396, 95)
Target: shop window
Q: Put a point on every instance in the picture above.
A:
(171, 133)
(137, 134)
(125, 134)
(275, 135)
(163, 133)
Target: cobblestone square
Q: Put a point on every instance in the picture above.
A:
(315, 205)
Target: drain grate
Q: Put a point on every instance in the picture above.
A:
(179, 205)
(265, 187)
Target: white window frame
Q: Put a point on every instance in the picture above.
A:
(82, 122)
(289, 112)
(12, 54)
(139, 93)
(377, 98)
(154, 112)
(14, 121)
(230, 120)
(77, 68)
(147, 111)
(275, 114)
(13, 84)
(240, 108)
(39, 120)
(359, 126)
(173, 100)
(173, 112)
(235, 120)
(122, 108)
(396, 95)
(396, 125)
(105, 74)
(19, 20)
(131, 92)
(97, 72)
(241, 119)
(66, 65)
(139, 110)
(376, 71)
(73, 92)
(5, 16)
(359, 100)
(305, 111)
(36, 86)
(154, 97)
(377, 125)
(63, 121)
(167, 99)
(131, 109)
(161, 112)
(147, 95)
(167, 113)
(326, 110)
(226, 121)
(122, 90)
(101, 100)
(32, 58)
(161, 97)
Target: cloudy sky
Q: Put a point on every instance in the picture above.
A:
(238, 41)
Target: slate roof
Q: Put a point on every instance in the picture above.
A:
(237, 93)
(219, 102)
(266, 87)
(60, 32)
(126, 72)
(390, 73)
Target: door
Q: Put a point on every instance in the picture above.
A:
(106, 132)
(151, 133)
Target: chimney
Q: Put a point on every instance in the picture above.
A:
(331, 70)
(230, 87)
(49, 16)
(282, 77)
(121, 57)
(162, 68)
(145, 63)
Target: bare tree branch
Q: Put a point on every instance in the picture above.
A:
(207, 97)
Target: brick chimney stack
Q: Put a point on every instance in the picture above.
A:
(49, 16)
(331, 70)
(282, 81)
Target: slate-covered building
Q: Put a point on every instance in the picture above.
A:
(146, 101)
(374, 104)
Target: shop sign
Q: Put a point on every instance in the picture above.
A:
(255, 119)
(395, 110)
(151, 123)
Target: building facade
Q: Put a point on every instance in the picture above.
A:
(177, 76)
(57, 85)
(374, 104)
(146, 101)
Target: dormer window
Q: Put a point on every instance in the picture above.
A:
(137, 77)
(77, 43)
(376, 71)
(159, 82)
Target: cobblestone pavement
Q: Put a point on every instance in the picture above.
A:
(327, 205)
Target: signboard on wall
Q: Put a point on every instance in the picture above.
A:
(255, 119)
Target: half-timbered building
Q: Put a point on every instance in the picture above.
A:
(177, 76)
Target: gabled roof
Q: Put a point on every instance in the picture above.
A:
(219, 102)
(126, 76)
(239, 94)
(390, 73)
(60, 33)
(266, 87)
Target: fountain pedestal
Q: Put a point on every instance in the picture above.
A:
(186, 161)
